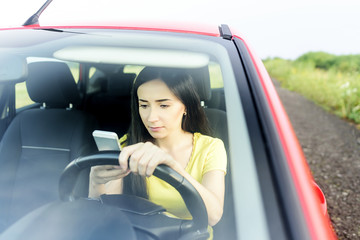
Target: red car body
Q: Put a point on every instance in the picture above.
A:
(312, 202)
(311, 197)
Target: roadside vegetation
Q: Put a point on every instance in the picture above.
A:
(332, 82)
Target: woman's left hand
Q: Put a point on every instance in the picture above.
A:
(144, 158)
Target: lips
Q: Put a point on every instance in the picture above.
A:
(155, 129)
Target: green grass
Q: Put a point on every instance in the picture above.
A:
(216, 80)
(334, 89)
(22, 97)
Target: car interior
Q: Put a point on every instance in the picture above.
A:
(45, 136)
(32, 158)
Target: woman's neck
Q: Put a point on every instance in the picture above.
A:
(174, 141)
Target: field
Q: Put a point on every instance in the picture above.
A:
(332, 82)
(332, 150)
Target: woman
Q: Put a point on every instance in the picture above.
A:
(167, 127)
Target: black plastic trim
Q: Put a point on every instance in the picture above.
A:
(275, 222)
(285, 188)
(225, 32)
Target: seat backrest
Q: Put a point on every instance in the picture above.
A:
(217, 117)
(40, 142)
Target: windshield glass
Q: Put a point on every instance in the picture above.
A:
(104, 65)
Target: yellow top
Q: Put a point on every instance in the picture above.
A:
(208, 154)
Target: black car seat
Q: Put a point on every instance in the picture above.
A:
(217, 117)
(40, 142)
(225, 229)
(112, 104)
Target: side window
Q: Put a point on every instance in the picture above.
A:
(217, 87)
(133, 69)
(216, 79)
(75, 70)
(22, 98)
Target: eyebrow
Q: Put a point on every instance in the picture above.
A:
(159, 100)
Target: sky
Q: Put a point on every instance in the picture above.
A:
(274, 28)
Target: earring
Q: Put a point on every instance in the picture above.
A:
(185, 113)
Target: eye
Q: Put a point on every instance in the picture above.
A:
(164, 106)
(143, 106)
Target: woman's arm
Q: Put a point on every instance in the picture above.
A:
(145, 157)
(211, 190)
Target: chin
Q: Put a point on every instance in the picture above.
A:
(157, 135)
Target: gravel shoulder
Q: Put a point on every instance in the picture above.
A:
(332, 148)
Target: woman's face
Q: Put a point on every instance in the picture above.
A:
(160, 110)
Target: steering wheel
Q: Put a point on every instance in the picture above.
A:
(191, 197)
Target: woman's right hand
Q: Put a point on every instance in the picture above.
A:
(102, 175)
(106, 173)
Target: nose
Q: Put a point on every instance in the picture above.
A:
(153, 115)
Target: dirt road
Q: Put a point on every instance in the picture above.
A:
(332, 148)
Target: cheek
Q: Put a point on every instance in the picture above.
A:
(178, 114)
(142, 114)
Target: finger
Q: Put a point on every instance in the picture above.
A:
(112, 173)
(134, 160)
(152, 165)
(161, 158)
(126, 153)
(102, 167)
(116, 175)
(97, 172)
(144, 161)
(106, 179)
(101, 174)
(140, 158)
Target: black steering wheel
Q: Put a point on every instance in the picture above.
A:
(191, 197)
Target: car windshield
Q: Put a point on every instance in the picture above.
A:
(104, 65)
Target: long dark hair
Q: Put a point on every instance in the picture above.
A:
(195, 120)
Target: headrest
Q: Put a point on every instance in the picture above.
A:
(201, 79)
(52, 83)
(120, 84)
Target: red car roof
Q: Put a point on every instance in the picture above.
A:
(209, 30)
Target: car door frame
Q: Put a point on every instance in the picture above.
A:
(7, 106)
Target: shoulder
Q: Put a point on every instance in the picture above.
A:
(206, 140)
(211, 151)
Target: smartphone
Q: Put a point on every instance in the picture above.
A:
(106, 140)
